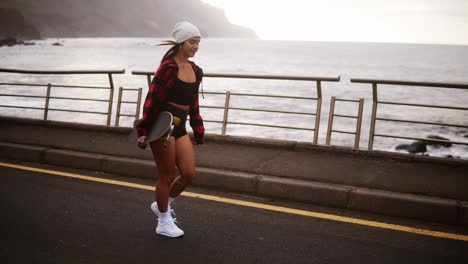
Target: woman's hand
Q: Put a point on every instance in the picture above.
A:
(141, 141)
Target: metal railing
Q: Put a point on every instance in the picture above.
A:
(376, 102)
(120, 102)
(225, 121)
(332, 114)
(49, 87)
(227, 109)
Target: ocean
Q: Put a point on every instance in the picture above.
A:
(406, 62)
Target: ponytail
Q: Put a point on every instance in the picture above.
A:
(172, 51)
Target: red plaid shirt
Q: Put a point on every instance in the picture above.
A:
(156, 99)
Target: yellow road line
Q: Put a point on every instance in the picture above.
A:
(281, 209)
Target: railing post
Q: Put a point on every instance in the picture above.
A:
(119, 104)
(148, 79)
(318, 111)
(374, 115)
(330, 119)
(111, 99)
(46, 107)
(137, 112)
(359, 124)
(226, 111)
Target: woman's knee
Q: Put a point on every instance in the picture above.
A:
(166, 175)
(187, 175)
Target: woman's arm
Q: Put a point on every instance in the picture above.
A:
(196, 121)
(156, 97)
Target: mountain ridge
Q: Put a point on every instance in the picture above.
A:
(119, 18)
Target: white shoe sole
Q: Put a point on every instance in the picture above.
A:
(168, 235)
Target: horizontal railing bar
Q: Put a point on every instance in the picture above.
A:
(127, 115)
(130, 88)
(273, 77)
(275, 96)
(422, 139)
(77, 111)
(209, 121)
(80, 87)
(58, 86)
(219, 93)
(79, 99)
(25, 96)
(23, 84)
(424, 105)
(347, 100)
(53, 97)
(270, 111)
(213, 121)
(22, 107)
(420, 122)
(412, 83)
(254, 76)
(346, 116)
(142, 73)
(63, 72)
(127, 102)
(211, 106)
(344, 132)
(265, 125)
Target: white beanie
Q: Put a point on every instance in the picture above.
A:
(183, 31)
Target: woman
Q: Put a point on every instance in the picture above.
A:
(174, 88)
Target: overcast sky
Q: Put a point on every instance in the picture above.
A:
(406, 21)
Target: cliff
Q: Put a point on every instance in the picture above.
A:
(121, 18)
(14, 25)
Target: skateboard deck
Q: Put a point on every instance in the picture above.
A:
(161, 126)
(164, 124)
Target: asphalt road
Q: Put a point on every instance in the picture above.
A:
(51, 219)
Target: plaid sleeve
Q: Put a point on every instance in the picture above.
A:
(196, 121)
(156, 97)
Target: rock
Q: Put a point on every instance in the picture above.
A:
(29, 43)
(415, 147)
(57, 44)
(438, 144)
(10, 42)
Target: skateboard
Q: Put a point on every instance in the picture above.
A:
(164, 124)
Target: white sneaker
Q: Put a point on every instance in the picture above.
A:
(155, 209)
(167, 227)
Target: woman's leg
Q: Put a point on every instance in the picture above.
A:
(185, 160)
(165, 159)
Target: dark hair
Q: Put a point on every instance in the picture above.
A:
(172, 51)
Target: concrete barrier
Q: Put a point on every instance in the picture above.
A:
(306, 191)
(400, 204)
(21, 152)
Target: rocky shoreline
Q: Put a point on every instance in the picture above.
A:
(421, 146)
(10, 42)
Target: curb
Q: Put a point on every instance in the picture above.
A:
(327, 194)
(402, 204)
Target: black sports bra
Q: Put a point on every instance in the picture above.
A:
(182, 92)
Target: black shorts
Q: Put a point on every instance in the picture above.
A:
(180, 130)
